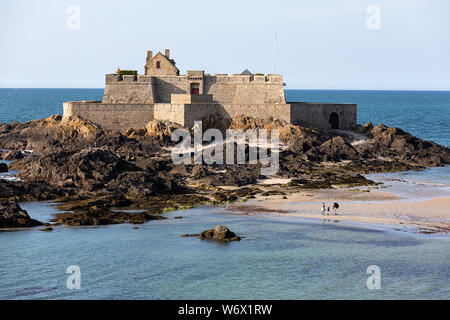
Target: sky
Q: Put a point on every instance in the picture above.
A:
(321, 44)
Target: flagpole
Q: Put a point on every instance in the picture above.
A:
(274, 51)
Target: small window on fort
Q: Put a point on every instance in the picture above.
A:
(158, 64)
(195, 88)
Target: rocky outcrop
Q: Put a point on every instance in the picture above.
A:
(12, 155)
(103, 216)
(12, 216)
(49, 135)
(160, 131)
(95, 170)
(87, 167)
(3, 167)
(75, 160)
(399, 145)
(336, 149)
(29, 191)
(220, 233)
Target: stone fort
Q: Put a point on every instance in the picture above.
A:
(132, 100)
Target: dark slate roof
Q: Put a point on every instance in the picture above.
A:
(246, 73)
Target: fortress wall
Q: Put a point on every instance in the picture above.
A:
(318, 114)
(170, 112)
(195, 112)
(128, 89)
(235, 89)
(245, 89)
(111, 116)
(165, 86)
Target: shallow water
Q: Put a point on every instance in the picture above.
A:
(279, 258)
(416, 185)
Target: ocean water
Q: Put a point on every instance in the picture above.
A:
(28, 104)
(279, 258)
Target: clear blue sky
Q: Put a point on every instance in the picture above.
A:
(322, 44)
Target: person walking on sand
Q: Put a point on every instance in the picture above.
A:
(335, 208)
(323, 208)
(328, 211)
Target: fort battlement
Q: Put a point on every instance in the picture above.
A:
(163, 94)
(223, 78)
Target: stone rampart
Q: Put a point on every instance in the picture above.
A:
(117, 117)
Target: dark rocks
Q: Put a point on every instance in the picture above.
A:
(233, 175)
(199, 171)
(366, 128)
(335, 149)
(398, 145)
(13, 155)
(76, 160)
(28, 191)
(96, 217)
(90, 168)
(220, 233)
(50, 135)
(12, 216)
(46, 229)
(3, 167)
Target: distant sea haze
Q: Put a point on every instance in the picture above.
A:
(425, 114)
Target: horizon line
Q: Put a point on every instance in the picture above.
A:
(94, 88)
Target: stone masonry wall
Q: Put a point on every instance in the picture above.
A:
(170, 112)
(123, 116)
(128, 89)
(165, 86)
(235, 89)
(318, 114)
(245, 89)
(195, 112)
(112, 116)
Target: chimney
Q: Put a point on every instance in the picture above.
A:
(167, 54)
(149, 55)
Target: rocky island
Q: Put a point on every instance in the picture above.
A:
(94, 173)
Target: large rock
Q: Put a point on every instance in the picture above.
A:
(103, 216)
(160, 130)
(398, 145)
(13, 155)
(335, 149)
(3, 167)
(12, 216)
(90, 168)
(50, 134)
(220, 233)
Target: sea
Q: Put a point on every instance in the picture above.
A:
(279, 257)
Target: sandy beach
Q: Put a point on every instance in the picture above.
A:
(373, 207)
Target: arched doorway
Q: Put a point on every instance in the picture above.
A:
(334, 120)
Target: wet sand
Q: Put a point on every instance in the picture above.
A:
(374, 207)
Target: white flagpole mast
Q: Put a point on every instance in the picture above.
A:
(274, 51)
